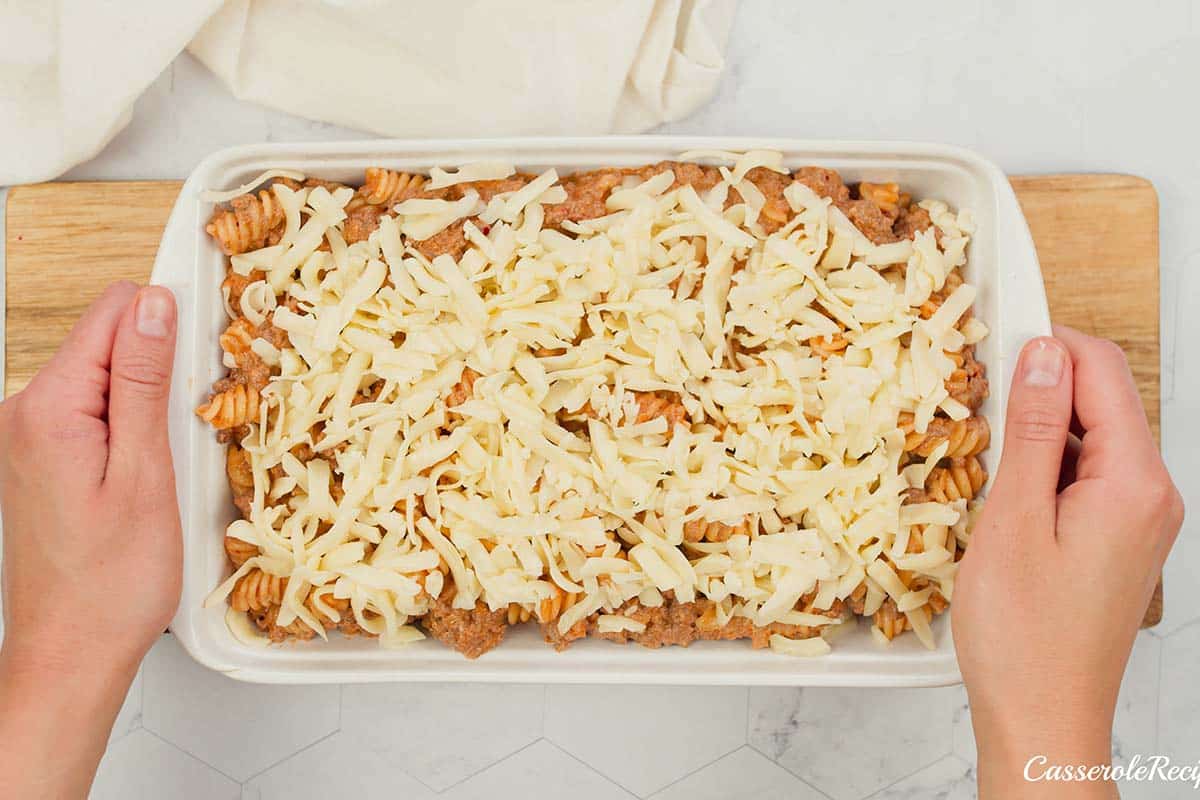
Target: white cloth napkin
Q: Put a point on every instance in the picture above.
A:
(71, 71)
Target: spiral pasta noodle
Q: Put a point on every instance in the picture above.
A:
(461, 391)
(267, 620)
(826, 346)
(237, 339)
(231, 408)
(329, 610)
(699, 530)
(383, 187)
(237, 467)
(239, 551)
(249, 224)
(888, 619)
(966, 437)
(961, 480)
(885, 195)
(257, 591)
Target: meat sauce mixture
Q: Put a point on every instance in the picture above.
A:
(880, 211)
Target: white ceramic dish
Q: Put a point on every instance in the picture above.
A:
(1002, 262)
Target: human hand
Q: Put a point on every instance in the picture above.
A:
(1061, 565)
(92, 550)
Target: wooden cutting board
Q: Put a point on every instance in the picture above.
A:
(1096, 236)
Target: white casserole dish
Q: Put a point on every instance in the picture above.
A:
(1002, 263)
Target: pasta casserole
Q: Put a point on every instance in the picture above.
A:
(698, 400)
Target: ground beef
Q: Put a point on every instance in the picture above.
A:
(776, 210)
(672, 623)
(303, 453)
(700, 177)
(267, 622)
(760, 637)
(680, 624)
(915, 495)
(912, 220)
(865, 213)
(235, 284)
(869, 218)
(825, 182)
(489, 189)
(330, 186)
(451, 241)
(586, 193)
(559, 640)
(471, 632)
(369, 395)
(362, 222)
(857, 601)
(968, 384)
(278, 337)
(254, 371)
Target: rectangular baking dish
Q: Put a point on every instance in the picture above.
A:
(1012, 302)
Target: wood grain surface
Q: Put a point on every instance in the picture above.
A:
(1096, 237)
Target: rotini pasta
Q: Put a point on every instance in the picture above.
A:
(889, 621)
(267, 620)
(231, 408)
(551, 608)
(826, 346)
(241, 479)
(885, 195)
(250, 223)
(966, 437)
(237, 338)
(383, 187)
(960, 480)
(461, 391)
(239, 551)
(699, 530)
(257, 591)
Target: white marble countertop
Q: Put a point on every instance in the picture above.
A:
(1066, 86)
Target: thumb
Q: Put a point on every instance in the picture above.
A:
(142, 358)
(1036, 428)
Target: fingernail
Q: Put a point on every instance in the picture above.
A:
(154, 312)
(1044, 362)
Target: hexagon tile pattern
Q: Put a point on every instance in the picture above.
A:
(141, 765)
(539, 771)
(1179, 696)
(866, 738)
(238, 728)
(949, 778)
(645, 737)
(1135, 727)
(744, 774)
(441, 734)
(129, 718)
(335, 767)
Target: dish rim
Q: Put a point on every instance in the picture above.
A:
(185, 251)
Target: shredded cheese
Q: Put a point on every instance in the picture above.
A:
(656, 371)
